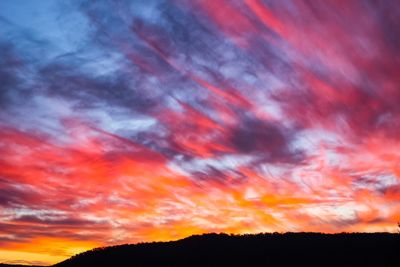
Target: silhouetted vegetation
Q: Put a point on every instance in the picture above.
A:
(290, 249)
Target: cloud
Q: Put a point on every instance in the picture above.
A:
(267, 139)
(161, 119)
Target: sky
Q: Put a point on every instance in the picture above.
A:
(152, 120)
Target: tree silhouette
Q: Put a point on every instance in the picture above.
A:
(289, 249)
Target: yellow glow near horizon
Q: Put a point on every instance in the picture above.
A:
(44, 251)
(22, 257)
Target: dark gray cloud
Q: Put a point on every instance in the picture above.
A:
(269, 140)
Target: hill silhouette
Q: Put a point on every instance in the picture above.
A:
(289, 249)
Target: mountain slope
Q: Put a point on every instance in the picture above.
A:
(291, 249)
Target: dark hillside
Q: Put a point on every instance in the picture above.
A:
(290, 249)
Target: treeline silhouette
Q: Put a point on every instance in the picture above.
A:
(272, 249)
(289, 249)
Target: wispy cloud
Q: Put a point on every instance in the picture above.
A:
(154, 120)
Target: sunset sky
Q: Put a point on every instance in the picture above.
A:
(147, 120)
